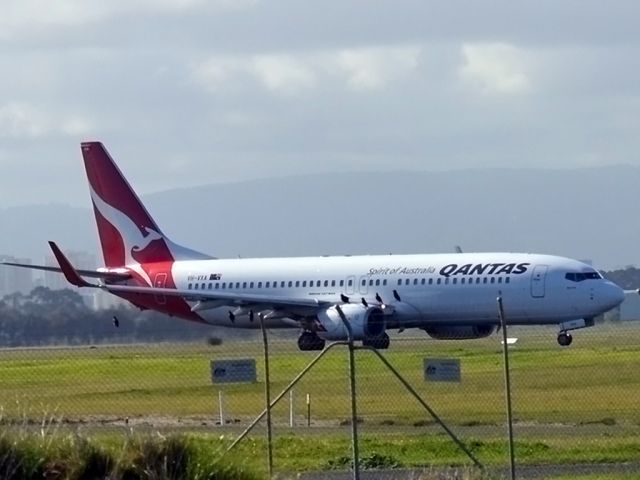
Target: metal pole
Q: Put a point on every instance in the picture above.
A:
(220, 408)
(283, 393)
(352, 384)
(308, 410)
(426, 407)
(507, 382)
(290, 408)
(267, 397)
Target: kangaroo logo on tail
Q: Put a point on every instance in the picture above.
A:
(128, 235)
(133, 238)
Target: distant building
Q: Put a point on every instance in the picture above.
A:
(80, 260)
(14, 279)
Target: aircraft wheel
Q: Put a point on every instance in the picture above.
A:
(310, 341)
(564, 339)
(381, 342)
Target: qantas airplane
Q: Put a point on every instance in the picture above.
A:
(449, 296)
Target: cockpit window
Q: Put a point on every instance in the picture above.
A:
(581, 276)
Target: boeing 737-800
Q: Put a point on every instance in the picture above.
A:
(449, 296)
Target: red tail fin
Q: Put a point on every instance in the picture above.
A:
(128, 234)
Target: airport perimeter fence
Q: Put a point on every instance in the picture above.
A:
(576, 404)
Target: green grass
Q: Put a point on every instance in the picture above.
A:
(586, 383)
(571, 405)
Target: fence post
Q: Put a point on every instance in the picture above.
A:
(507, 384)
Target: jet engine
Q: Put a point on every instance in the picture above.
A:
(366, 322)
(459, 332)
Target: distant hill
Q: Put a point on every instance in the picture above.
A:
(586, 214)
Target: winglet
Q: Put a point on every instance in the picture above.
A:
(68, 270)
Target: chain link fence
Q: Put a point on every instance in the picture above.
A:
(577, 404)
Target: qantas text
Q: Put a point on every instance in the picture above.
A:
(484, 268)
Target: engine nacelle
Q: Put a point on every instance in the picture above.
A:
(366, 322)
(461, 332)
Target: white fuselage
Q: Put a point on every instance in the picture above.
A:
(434, 289)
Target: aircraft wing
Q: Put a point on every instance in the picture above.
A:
(219, 298)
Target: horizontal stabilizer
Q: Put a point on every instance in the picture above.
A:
(103, 274)
(70, 273)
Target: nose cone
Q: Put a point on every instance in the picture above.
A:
(612, 295)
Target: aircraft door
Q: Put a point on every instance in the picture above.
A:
(538, 278)
(160, 282)
(350, 288)
(362, 285)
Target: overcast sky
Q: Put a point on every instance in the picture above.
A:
(187, 92)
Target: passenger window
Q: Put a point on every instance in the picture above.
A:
(371, 282)
(210, 286)
(493, 280)
(196, 286)
(439, 281)
(238, 285)
(281, 284)
(446, 281)
(217, 286)
(384, 282)
(333, 283)
(507, 280)
(304, 283)
(462, 281)
(499, 279)
(297, 283)
(378, 282)
(290, 284)
(455, 280)
(406, 282)
(311, 283)
(350, 283)
(251, 285)
(259, 284)
(399, 281)
(326, 283)
(415, 281)
(431, 281)
(244, 284)
(364, 282)
(423, 281)
(189, 287)
(267, 284)
(224, 285)
(342, 283)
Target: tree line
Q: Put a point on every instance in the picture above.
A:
(60, 317)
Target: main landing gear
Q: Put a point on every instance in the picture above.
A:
(564, 339)
(381, 342)
(308, 341)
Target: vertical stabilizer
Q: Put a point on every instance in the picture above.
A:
(128, 234)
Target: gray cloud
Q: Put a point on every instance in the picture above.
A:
(187, 92)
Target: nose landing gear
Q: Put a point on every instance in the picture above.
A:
(564, 339)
